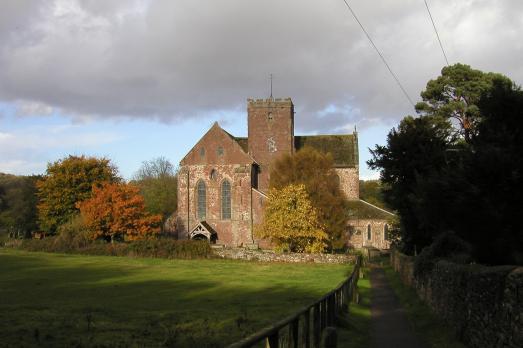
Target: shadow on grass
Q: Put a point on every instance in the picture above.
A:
(354, 326)
(424, 322)
(64, 300)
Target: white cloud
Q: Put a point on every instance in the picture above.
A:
(28, 150)
(180, 59)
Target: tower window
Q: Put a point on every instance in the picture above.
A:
(226, 200)
(213, 174)
(202, 200)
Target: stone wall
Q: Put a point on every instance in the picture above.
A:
(270, 133)
(349, 182)
(271, 256)
(358, 236)
(234, 231)
(484, 305)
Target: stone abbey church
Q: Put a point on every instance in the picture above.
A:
(223, 180)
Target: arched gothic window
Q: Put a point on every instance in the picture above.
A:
(386, 232)
(369, 232)
(202, 200)
(226, 200)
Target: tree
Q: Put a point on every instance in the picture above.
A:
(441, 185)
(291, 222)
(115, 211)
(68, 181)
(494, 171)
(315, 171)
(158, 181)
(414, 151)
(372, 191)
(18, 203)
(455, 95)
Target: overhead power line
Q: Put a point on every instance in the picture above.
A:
(379, 53)
(436, 30)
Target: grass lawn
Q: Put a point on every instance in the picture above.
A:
(354, 327)
(51, 300)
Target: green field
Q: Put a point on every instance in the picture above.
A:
(51, 300)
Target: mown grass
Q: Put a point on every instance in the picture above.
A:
(51, 300)
(354, 327)
(425, 323)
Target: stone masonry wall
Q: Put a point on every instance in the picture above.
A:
(271, 256)
(349, 182)
(484, 305)
(357, 234)
(270, 132)
(235, 231)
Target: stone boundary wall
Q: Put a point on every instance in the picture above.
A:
(484, 305)
(271, 256)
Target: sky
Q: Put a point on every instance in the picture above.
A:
(133, 80)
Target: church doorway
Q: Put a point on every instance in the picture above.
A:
(202, 231)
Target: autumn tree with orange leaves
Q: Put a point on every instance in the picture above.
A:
(67, 182)
(117, 210)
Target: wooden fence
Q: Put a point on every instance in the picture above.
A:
(304, 328)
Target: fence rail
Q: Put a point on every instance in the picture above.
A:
(304, 327)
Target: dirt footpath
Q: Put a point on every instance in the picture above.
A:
(389, 324)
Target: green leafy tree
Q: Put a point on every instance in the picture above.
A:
(18, 203)
(441, 185)
(414, 151)
(291, 222)
(372, 191)
(68, 181)
(493, 170)
(157, 180)
(455, 95)
(315, 171)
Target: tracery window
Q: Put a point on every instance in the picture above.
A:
(226, 200)
(202, 200)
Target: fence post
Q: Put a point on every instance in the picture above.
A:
(272, 340)
(306, 335)
(323, 316)
(332, 310)
(316, 322)
(293, 332)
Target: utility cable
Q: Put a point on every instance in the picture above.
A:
(436, 30)
(379, 53)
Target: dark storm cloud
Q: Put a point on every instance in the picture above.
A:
(173, 60)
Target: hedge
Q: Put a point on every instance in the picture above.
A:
(158, 248)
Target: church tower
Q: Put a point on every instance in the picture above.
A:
(271, 133)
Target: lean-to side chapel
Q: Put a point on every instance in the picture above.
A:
(223, 179)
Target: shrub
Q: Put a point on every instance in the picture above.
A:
(158, 248)
(74, 234)
(446, 246)
(170, 249)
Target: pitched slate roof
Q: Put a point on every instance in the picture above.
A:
(243, 142)
(344, 148)
(362, 210)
